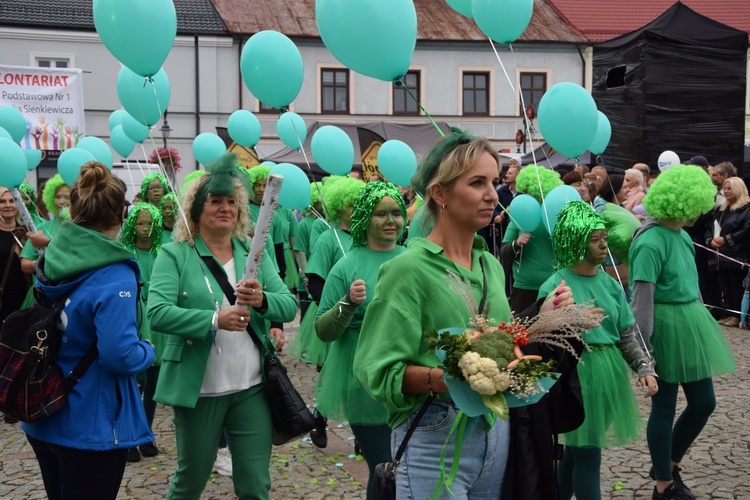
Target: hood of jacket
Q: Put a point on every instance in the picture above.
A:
(75, 252)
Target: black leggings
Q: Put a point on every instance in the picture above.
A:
(71, 474)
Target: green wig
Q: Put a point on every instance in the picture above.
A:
(175, 205)
(247, 182)
(147, 180)
(316, 188)
(28, 194)
(682, 193)
(365, 204)
(430, 163)
(258, 173)
(575, 223)
(128, 236)
(49, 192)
(529, 178)
(341, 194)
(191, 178)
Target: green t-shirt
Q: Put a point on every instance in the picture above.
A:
(606, 293)
(302, 237)
(319, 227)
(166, 235)
(49, 228)
(536, 260)
(413, 296)
(360, 264)
(283, 227)
(327, 251)
(666, 258)
(254, 211)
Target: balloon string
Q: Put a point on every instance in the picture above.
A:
(434, 123)
(309, 168)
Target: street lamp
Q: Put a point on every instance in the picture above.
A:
(165, 129)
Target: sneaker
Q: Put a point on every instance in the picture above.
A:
(675, 477)
(149, 449)
(223, 462)
(673, 492)
(318, 435)
(133, 455)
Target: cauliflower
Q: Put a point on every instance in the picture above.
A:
(480, 373)
(501, 381)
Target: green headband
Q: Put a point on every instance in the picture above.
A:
(575, 223)
(365, 204)
(428, 167)
(218, 182)
(128, 236)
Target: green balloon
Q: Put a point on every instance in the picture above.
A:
(372, 37)
(13, 122)
(272, 68)
(139, 33)
(145, 100)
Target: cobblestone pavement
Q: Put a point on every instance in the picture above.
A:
(715, 467)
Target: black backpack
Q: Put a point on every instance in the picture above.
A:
(32, 385)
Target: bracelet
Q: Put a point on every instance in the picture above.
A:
(513, 247)
(429, 382)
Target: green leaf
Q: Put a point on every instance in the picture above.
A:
(497, 404)
(297, 486)
(331, 481)
(313, 481)
(359, 458)
(323, 469)
(153, 468)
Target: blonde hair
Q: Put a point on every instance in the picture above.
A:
(740, 192)
(242, 229)
(459, 161)
(638, 176)
(4, 190)
(97, 200)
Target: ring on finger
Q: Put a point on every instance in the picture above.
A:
(242, 318)
(252, 291)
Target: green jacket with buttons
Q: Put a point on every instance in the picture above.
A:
(180, 305)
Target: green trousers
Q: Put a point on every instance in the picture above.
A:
(246, 417)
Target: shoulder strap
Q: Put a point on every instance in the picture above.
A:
(411, 430)
(7, 266)
(221, 278)
(484, 287)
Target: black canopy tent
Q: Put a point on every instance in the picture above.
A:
(676, 84)
(367, 139)
(548, 157)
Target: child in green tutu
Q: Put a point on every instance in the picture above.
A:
(687, 344)
(611, 411)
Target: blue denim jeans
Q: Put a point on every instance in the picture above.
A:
(484, 456)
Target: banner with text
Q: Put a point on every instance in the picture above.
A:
(50, 99)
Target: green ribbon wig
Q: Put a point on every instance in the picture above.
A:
(682, 193)
(128, 236)
(575, 223)
(147, 180)
(365, 204)
(28, 193)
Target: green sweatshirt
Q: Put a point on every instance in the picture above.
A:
(412, 296)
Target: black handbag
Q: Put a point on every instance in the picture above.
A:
(384, 484)
(289, 413)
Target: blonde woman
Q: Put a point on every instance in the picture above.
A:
(636, 187)
(729, 234)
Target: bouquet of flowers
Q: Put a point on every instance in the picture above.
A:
(169, 157)
(490, 359)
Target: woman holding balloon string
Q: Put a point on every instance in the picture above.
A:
(530, 251)
(378, 220)
(56, 196)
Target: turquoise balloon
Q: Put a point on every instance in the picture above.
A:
(70, 162)
(397, 162)
(525, 212)
(272, 68)
(4, 134)
(13, 122)
(292, 130)
(267, 163)
(134, 130)
(121, 143)
(244, 128)
(554, 202)
(333, 150)
(33, 158)
(568, 118)
(139, 33)
(98, 148)
(145, 100)
(295, 190)
(13, 164)
(502, 20)
(603, 134)
(372, 37)
(207, 147)
(116, 117)
(463, 7)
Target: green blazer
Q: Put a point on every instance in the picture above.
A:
(180, 305)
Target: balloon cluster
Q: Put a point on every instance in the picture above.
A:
(14, 161)
(527, 212)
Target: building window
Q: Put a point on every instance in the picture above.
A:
(52, 62)
(403, 104)
(264, 108)
(476, 95)
(533, 87)
(334, 90)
